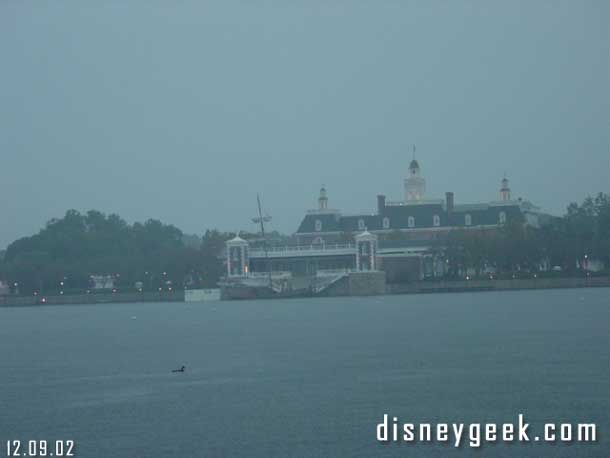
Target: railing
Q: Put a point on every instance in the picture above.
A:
(328, 277)
(331, 272)
(315, 246)
(399, 203)
(305, 250)
(322, 211)
(275, 273)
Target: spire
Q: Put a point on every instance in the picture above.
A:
(414, 166)
(504, 189)
(415, 185)
(322, 200)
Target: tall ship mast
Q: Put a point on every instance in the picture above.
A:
(262, 220)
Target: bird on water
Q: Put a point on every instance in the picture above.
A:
(179, 370)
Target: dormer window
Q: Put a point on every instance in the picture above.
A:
(318, 225)
(468, 220)
(361, 224)
(502, 217)
(411, 221)
(386, 222)
(436, 220)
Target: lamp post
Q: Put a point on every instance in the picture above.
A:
(164, 282)
(148, 278)
(586, 262)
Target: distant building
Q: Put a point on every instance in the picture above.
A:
(4, 288)
(402, 237)
(101, 282)
(417, 218)
(201, 295)
(592, 264)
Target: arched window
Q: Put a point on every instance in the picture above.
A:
(318, 225)
(468, 220)
(411, 221)
(361, 224)
(386, 222)
(436, 220)
(502, 217)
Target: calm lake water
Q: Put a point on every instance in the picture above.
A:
(305, 378)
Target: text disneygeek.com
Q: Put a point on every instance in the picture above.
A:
(474, 434)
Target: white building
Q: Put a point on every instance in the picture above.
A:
(100, 282)
(4, 288)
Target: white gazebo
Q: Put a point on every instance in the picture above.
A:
(366, 251)
(237, 257)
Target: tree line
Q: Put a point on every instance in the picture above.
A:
(68, 251)
(565, 244)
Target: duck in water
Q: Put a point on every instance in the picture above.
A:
(179, 370)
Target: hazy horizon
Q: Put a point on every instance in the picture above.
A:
(183, 113)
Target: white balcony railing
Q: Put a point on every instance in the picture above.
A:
(332, 272)
(335, 249)
(275, 274)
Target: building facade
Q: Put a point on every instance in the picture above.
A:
(404, 238)
(416, 217)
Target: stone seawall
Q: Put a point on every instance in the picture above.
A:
(496, 285)
(370, 283)
(165, 296)
(355, 284)
(367, 283)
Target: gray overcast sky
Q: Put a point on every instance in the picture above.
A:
(183, 110)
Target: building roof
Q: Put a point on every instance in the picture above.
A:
(418, 213)
(421, 216)
(237, 240)
(366, 235)
(330, 222)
